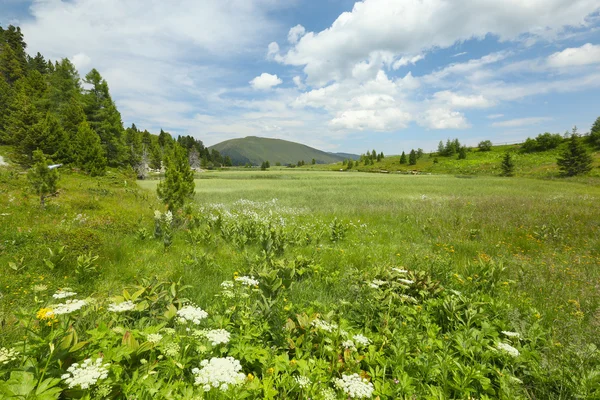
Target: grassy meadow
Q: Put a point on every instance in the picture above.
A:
(331, 285)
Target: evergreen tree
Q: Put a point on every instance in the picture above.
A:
(268, 164)
(156, 157)
(508, 165)
(178, 184)
(462, 153)
(403, 158)
(54, 141)
(88, 151)
(164, 139)
(10, 67)
(313, 161)
(420, 153)
(42, 179)
(574, 160)
(64, 89)
(594, 138)
(228, 163)
(441, 148)
(38, 63)
(22, 125)
(350, 164)
(6, 94)
(412, 158)
(263, 166)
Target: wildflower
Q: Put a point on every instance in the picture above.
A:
(324, 326)
(157, 214)
(508, 349)
(168, 331)
(250, 377)
(361, 340)
(121, 307)
(328, 394)
(86, 374)
(348, 344)
(219, 373)
(62, 294)
(69, 306)
(154, 338)
(227, 284)
(509, 334)
(215, 336)
(191, 314)
(398, 270)
(143, 361)
(168, 217)
(39, 288)
(302, 381)
(355, 386)
(172, 349)
(7, 355)
(247, 280)
(45, 313)
(406, 281)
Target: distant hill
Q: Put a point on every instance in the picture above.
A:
(255, 150)
(347, 156)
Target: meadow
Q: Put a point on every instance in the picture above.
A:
(302, 284)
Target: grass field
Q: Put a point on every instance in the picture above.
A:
(511, 254)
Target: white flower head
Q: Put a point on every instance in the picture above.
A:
(86, 374)
(400, 271)
(7, 355)
(507, 348)
(509, 334)
(121, 307)
(63, 294)
(154, 337)
(324, 325)
(157, 214)
(219, 373)
(302, 381)
(191, 314)
(217, 336)
(247, 280)
(406, 281)
(168, 217)
(227, 284)
(355, 386)
(68, 307)
(348, 344)
(361, 340)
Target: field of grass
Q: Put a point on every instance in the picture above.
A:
(429, 268)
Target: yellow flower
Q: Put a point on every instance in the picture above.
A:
(45, 313)
(250, 377)
(293, 362)
(270, 371)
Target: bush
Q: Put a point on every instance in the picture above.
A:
(485, 145)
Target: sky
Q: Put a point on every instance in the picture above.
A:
(338, 75)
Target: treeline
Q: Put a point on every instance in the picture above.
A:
(45, 105)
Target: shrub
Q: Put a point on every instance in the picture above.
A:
(485, 145)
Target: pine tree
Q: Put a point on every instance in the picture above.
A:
(88, 151)
(412, 158)
(22, 125)
(594, 138)
(42, 179)
(6, 94)
(350, 164)
(156, 157)
(462, 153)
(574, 160)
(403, 158)
(508, 165)
(178, 184)
(263, 166)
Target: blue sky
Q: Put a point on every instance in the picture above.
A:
(334, 74)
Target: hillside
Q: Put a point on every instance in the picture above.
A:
(255, 150)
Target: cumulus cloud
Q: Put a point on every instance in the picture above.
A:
(81, 61)
(265, 81)
(462, 101)
(584, 55)
(495, 116)
(519, 122)
(443, 118)
(404, 61)
(298, 82)
(296, 33)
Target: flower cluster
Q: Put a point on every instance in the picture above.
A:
(361, 340)
(247, 280)
(63, 294)
(302, 381)
(348, 344)
(215, 336)
(406, 281)
(219, 373)
(7, 355)
(508, 349)
(324, 326)
(86, 374)
(191, 314)
(172, 349)
(509, 334)
(121, 307)
(154, 337)
(355, 386)
(68, 307)
(376, 283)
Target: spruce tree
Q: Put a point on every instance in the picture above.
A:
(403, 158)
(42, 179)
(178, 184)
(508, 165)
(594, 138)
(412, 158)
(462, 153)
(22, 125)
(88, 151)
(6, 94)
(574, 160)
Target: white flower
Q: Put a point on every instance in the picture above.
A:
(168, 331)
(348, 344)
(39, 288)
(191, 314)
(172, 349)
(219, 373)
(379, 282)
(217, 336)
(361, 340)
(86, 374)
(143, 361)
(121, 307)
(168, 217)
(63, 294)
(68, 307)
(7, 355)
(406, 281)
(157, 214)
(227, 284)
(247, 280)
(400, 271)
(509, 334)
(355, 386)
(508, 349)
(154, 338)
(324, 326)
(328, 394)
(303, 381)
(373, 286)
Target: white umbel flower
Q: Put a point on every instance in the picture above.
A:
(7, 355)
(86, 374)
(219, 373)
(509, 334)
(302, 381)
(68, 307)
(247, 280)
(154, 337)
(348, 344)
(508, 349)
(406, 281)
(324, 325)
(355, 386)
(121, 307)
(63, 294)
(191, 314)
(217, 336)
(361, 340)
(400, 271)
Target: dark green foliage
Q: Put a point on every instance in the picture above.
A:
(178, 184)
(156, 158)
(350, 164)
(462, 153)
(313, 162)
(543, 142)
(451, 148)
(508, 165)
(5, 100)
(42, 179)
(485, 145)
(435, 160)
(403, 158)
(263, 166)
(22, 125)
(594, 137)
(412, 158)
(574, 159)
(88, 151)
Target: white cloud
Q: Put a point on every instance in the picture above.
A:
(265, 81)
(443, 118)
(462, 101)
(296, 33)
(404, 61)
(379, 119)
(81, 61)
(584, 55)
(495, 116)
(273, 52)
(298, 82)
(516, 123)
(460, 54)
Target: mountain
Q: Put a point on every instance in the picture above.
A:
(347, 156)
(255, 150)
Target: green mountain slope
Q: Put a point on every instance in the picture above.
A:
(255, 150)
